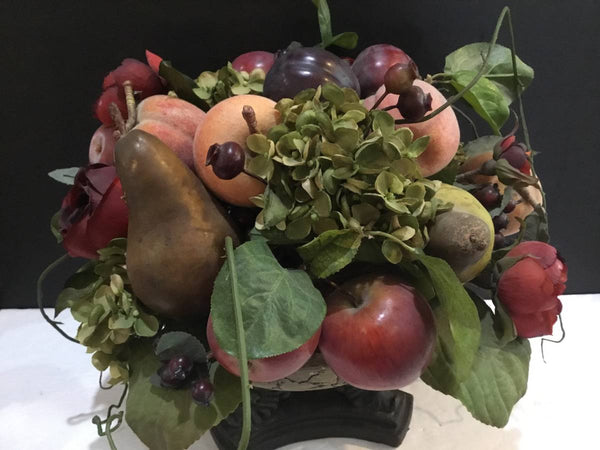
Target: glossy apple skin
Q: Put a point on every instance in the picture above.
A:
(379, 333)
(264, 370)
(102, 146)
(257, 59)
(371, 64)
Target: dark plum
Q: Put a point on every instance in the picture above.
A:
(373, 62)
(254, 60)
(299, 68)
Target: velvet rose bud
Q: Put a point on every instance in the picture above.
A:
(93, 211)
(529, 289)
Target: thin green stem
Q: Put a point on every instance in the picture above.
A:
(467, 118)
(40, 296)
(472, 83)
(241, 341)
(393, 238)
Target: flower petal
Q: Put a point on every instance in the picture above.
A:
(109, 220)
(76, 242)
(537, 324)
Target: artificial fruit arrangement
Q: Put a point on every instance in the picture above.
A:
(296, 207)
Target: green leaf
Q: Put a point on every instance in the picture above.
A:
(333, 93)
(457, 324)
(383, 121)
(324, 21)
(498, 377)
(183, 85)
(330, 251)
(80, 286)
(66, 176)
(480, 145)
(347, 40)
(500, 68)
(258, 143)
(536, 228)
(146, 325)
(275, 211)
(511, 176)
(281, 308)
(485, 98)
(417, 147)
(392, 251)
(180, 343)
(168, 419)
(55, 227)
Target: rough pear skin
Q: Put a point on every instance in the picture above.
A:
(177, 231)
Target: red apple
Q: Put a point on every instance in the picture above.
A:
(379, 333)
(264, 370)
(254, 60)
(102, 146)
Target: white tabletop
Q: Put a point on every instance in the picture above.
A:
(49, 393)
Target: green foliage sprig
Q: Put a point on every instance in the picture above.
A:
(226, 82)
(100, 298)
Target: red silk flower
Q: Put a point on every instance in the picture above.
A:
(93, 212)
(529, 289)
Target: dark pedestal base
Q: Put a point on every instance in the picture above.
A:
(282, 418)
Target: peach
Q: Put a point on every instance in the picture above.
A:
(522, 210)
(224, 122)
(173, 121)
(443, 129)
(102, 146)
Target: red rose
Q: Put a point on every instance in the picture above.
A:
(529, 289)
(93, 211)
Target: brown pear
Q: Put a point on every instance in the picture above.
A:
(177, 231)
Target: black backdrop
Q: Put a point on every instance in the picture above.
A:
(55, 54)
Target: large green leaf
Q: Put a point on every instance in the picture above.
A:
(168, 419)
(281, 308)
(485, 98)
(498, 378)
(330, 252)
(500, 68)
(457, 325)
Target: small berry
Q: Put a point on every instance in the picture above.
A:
(413, 104)
(180, 367)
(227, 160)
(167, 379)
(202, 391)
(510, 206)
(488, 195)
(500, 222)
(399, 77)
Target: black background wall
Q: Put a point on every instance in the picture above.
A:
(54, 55)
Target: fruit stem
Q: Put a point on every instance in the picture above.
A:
(117, 118)
(403, 244)
(475, 79)
(40, 296)
(380, 99)
(256, 177)
(241, 344)
(131, 109)
(468, 119)
(250, 118)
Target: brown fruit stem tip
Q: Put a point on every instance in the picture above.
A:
(122, 127)
(250, 117)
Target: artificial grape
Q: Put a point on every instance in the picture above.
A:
(510, 206)
(399, 78)
(488, 168)
(254, 60)
(499, 241)
(180, 367)
(299, 68)
(167, 379)
(413, 104)
(227, 159)
(500, 222)
(202, 391)
(488, 195)
(372, 63)
(517, 157)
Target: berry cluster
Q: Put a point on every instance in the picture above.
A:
(181, 372)
(413, 103)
